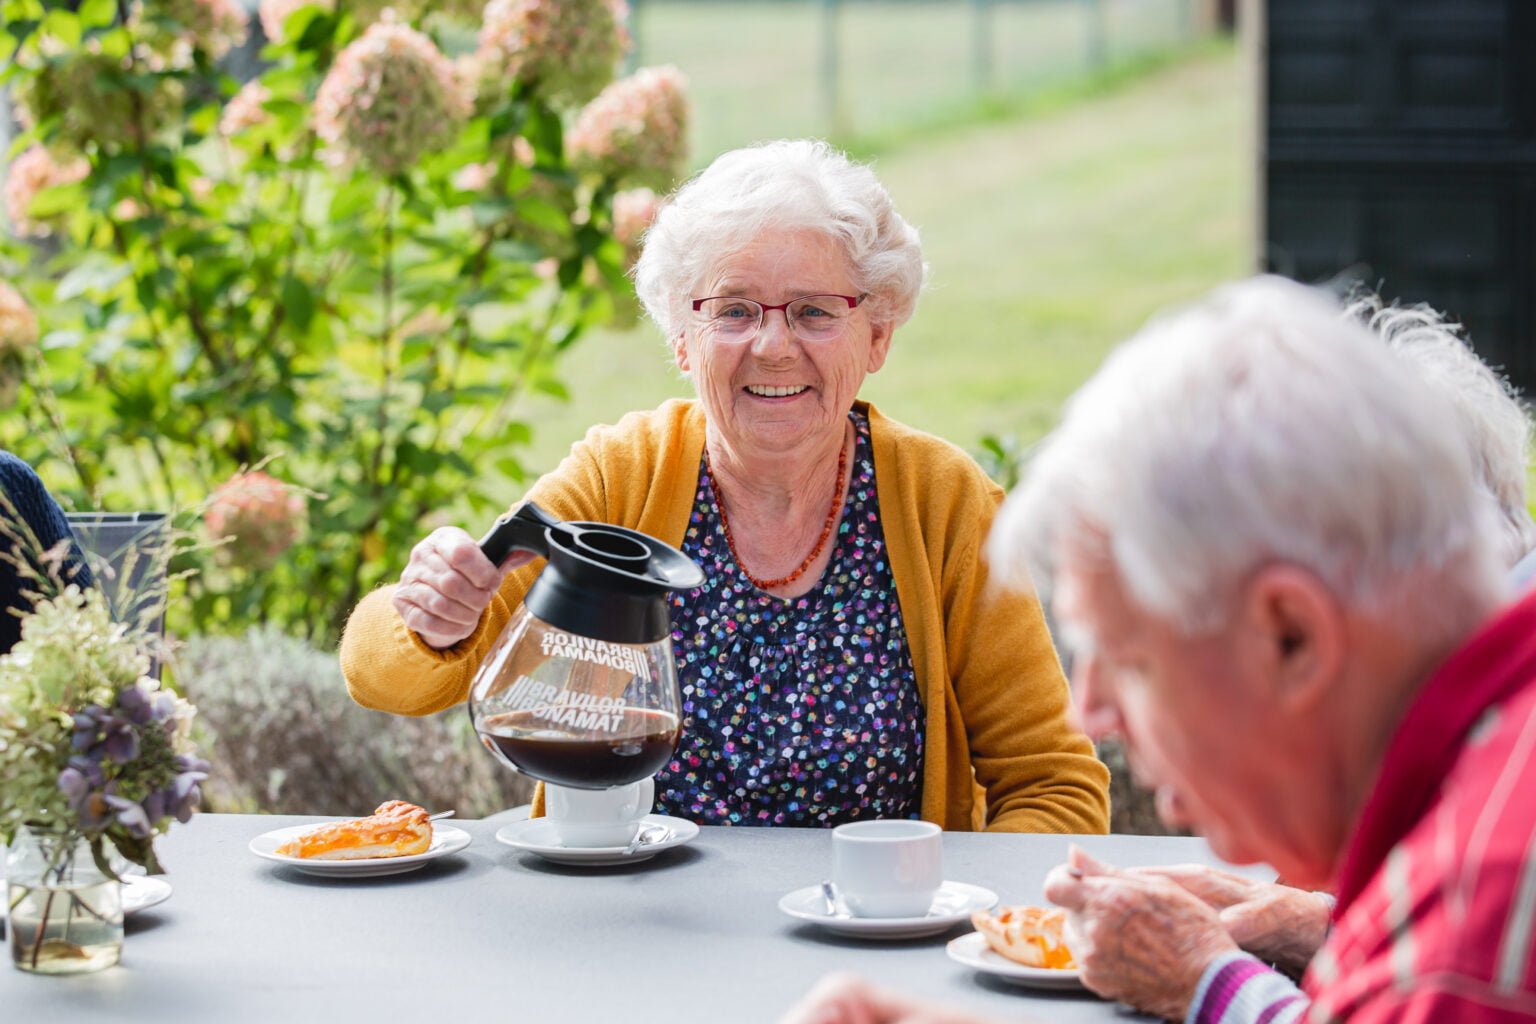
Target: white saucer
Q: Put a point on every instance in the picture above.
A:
(973, 951)
(953, 903)
(537, 835)
(140, 892)
(446, 839)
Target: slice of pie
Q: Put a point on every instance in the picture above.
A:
(395, 829)
(1029, 935)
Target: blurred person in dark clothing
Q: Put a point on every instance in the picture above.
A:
(34, 525)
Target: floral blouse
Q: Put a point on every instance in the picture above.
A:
(800, 711)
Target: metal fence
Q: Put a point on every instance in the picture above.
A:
(841, 68)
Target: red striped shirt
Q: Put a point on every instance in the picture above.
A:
(1437, 894)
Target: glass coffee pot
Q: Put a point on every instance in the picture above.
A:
(580, 689)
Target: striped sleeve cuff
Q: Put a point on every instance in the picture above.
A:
(1238, 988)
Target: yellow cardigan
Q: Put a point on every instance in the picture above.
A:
(995, 701)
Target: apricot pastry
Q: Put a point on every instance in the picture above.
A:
(1029, 935)
(395, 829)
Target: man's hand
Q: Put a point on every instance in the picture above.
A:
(1138, 938)
(1279, 923)
(448, 584)
(849, 999)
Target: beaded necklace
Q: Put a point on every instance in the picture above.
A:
(821, 542)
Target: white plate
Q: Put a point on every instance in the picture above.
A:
(446, 839)
(140, 892)
(537, 835)
(973, 951)
(953, 903)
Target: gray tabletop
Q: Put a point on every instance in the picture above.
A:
(694, 934)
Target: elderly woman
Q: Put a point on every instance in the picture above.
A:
(846, 657)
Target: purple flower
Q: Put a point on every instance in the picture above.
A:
(187, 794)
(121, 742)
(131, 816)
(132, 702)
(74, 785)
(156, 805)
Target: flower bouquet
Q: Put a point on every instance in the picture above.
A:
(95, 762)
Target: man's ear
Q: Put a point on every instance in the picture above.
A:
(1297, 632)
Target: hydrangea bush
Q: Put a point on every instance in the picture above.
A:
(344, 273)
(284, 738)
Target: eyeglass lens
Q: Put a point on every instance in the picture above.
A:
(811, 317)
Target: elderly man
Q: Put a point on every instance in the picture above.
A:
(1264, 537)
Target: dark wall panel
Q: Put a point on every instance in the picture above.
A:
(1401, 149)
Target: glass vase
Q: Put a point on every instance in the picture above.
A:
(66, 914)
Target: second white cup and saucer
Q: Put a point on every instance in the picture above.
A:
(887, 883)
(598, 827)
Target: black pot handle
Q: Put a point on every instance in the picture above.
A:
(525, 528)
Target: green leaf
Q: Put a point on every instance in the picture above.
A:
(51, 202)
(63, 26)
(298, 303)
(95, 273)
(59, 340)
(511, 468)
(98, 13)
(353, 199)
(313, 27)
(550, 386)
(544, 130)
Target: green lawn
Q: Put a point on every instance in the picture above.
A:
(1050, 237)
(759, 70)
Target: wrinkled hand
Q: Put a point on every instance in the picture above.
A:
(448, 584)
(1278, 923)
(1138, 938)
(849, 999)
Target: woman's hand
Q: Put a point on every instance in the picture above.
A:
(849, 999)
(1138, 938)
(1279, 923)
(447, 586)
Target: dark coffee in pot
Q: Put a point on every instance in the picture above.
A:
(636, 748)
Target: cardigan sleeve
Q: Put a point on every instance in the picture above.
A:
(388, 667)
(1039, 771)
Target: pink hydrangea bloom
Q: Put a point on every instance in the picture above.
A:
(390, 96)
(274, 14)
(636, 130)
(634, 211)
(475, 177)
(244, 109)
(18, 324)
(215, 25)
(566, 50)
(258, 515)
(98, 100)
(30, 173)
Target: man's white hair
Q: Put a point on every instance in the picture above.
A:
(1258, 426)
(789, 185)
(1494, 422)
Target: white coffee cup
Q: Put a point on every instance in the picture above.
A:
(888, 868)
(598, 817)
